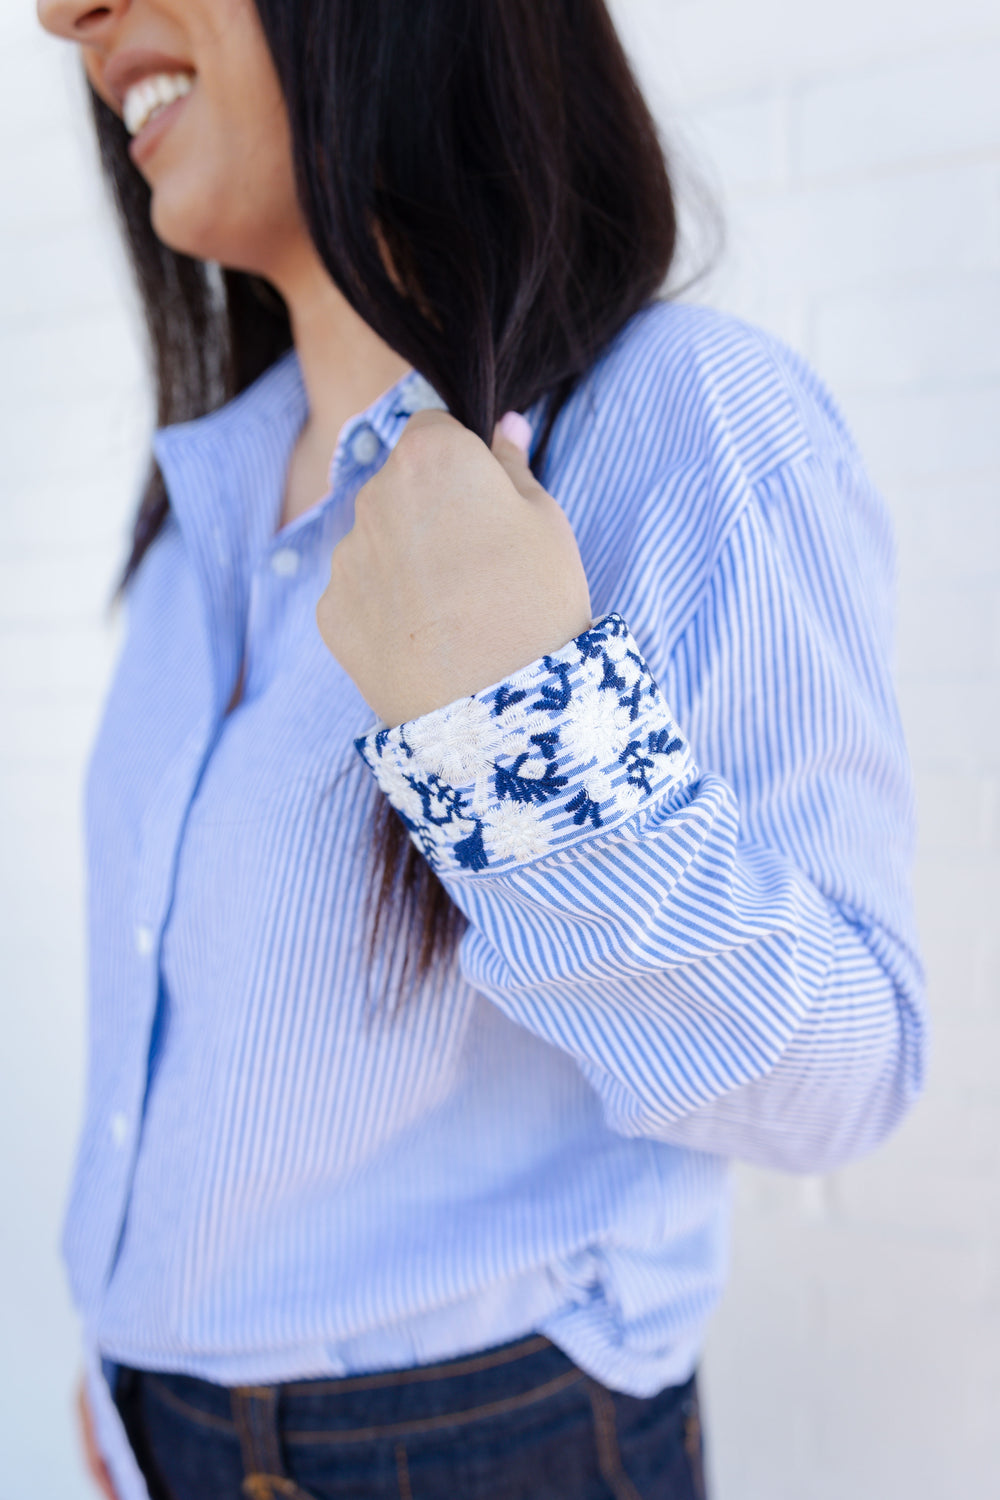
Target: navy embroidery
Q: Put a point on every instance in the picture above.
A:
(555, 696)
(510, 783)
(584, 808)
(527, 778)
(470, 852)
(434, 793)
(664, 742)
(505, 697)
(631, 702)
(637, 766)
(547, 742)
(611, 678)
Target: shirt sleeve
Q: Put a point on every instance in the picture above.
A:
(729, 959)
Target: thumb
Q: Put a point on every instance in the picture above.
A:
(511, 444)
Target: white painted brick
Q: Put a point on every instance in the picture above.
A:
(918, 432)
(90, 352)
(48, 732)
(73, 439)
(956, 811)
(797, 246)
(949, 632)
(53, 664)
(41, 862)
(61, 516)
(924, 333)
(746, 140)
(926, 1142)
(953, 723)
(944, 1203)
(43, 86)
(948, 528)
(966, 966)
(898, 1309)
(920, 109)
(718, 46)
(961, 892)
(965, 1063)
(38, 258)
(55, 588)
(817, 1407)
(48, 179)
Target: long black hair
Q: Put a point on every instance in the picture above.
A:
(484, 183)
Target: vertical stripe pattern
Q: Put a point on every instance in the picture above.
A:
(286, 1170)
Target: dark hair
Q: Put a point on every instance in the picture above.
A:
(502, 154)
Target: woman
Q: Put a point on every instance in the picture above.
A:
(435, 1203)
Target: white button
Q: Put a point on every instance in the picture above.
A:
(144, 939)
(285, 562)
(118, 1126)
(365, 446)
(419, 395)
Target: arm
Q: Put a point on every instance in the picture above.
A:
(727, 956)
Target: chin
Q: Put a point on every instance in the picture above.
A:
(181, 224)
(189, 223)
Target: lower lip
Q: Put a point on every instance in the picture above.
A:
(142, 146)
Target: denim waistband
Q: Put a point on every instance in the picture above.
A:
(393, 1403)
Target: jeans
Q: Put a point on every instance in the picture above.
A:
(518, 1422)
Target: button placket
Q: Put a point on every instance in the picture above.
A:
(419, 395)
(144, 938)
(285, 562)
(365, 446)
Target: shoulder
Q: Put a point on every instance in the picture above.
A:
(692, 426)
(683, 386)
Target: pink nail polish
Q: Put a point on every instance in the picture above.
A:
(517, 430)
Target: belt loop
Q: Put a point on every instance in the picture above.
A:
(255, 1412)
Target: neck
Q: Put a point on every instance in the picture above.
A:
(345, 365)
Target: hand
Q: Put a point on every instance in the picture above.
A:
(459, 570)
(96, 1467)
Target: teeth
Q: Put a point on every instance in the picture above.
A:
(154, 93)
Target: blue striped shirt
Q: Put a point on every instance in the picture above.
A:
(682, 845)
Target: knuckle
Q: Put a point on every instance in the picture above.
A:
(427, 447)
(413, 453)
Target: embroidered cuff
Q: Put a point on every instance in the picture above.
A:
(577, 741)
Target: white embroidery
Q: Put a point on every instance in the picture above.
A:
(449, 743)
(514, 831)
(573, 743)
(596, 728)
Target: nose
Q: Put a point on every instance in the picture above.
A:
(80, 20)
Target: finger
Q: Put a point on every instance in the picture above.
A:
(511, 445)
(96, 1466)
(516, 429)
(432, 416)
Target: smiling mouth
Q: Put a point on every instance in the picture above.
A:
(144, 100)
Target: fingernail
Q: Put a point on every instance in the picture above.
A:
(517, 430)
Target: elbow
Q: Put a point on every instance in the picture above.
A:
(860, 1119)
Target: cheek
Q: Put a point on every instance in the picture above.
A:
(224, 190)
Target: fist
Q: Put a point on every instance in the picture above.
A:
(459, 570)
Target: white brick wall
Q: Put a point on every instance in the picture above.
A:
(856, 150)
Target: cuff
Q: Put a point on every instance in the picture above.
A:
(577, 741)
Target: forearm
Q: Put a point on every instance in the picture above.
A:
(708, 989)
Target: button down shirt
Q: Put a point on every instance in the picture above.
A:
(681, 843)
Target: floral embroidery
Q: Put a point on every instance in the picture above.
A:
(574, 743)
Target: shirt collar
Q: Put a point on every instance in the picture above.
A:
(225, 471)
